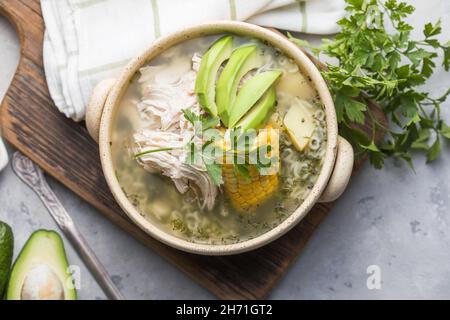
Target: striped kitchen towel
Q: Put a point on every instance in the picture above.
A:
(3, 155)
(90, 40)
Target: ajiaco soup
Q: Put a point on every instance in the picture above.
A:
(218, 139)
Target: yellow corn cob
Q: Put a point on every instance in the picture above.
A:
(246, 194)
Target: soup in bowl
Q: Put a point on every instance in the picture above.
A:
(219, 138)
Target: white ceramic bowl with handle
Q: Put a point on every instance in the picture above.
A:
(337, 165)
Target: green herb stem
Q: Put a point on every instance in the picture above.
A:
(143, 153)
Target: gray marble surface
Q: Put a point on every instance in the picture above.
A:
(395, 219)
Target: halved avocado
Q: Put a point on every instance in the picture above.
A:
(41, 270)
(242, 60)
(6, 254)
(258, 114)
(205, 84)
(250, 93)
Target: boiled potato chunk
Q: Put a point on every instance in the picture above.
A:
(295, 84)
(299, 124)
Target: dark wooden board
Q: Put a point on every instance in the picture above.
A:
(63, 148)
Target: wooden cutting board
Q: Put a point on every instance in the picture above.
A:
(63, 148)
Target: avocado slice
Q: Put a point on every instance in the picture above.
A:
(242, 60)
(258, 114)
(40, 272)
(250, 93)
(205, 84)
(6, 254)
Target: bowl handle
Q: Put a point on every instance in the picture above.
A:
(342, 171)
(95, 106)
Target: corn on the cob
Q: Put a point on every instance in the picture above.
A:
(244, 193)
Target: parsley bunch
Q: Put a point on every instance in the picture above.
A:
(388, 67)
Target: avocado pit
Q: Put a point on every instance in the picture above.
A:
(42, 283)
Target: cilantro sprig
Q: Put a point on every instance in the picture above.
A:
(388, 67)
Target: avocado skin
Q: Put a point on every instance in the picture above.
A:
(205, 84)
(22, 257)
(242, 60)
(6, 254)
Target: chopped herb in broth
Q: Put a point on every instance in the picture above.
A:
(218, 203)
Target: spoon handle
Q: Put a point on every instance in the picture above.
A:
(33, 176)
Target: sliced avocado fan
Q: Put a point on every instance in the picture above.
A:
(40, 272)
(251, 91)
(6, 254)
(247, 107)
(258, 114)
(242, 60)
(205, 84)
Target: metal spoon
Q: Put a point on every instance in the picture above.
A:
(33, 176)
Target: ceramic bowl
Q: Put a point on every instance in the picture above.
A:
(337, 164)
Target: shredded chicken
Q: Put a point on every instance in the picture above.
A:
(161, 109)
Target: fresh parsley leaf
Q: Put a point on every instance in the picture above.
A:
(191, 116)
(378, 59)
(354, 109)
(206, 121)
(434, 151)
(431, 30)
(242, 170)
(445, 131)
(421, 142)
(215, 172)
(209, 122)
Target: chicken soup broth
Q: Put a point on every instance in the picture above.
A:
(153, 131)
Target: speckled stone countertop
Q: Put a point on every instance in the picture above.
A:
(393, 218)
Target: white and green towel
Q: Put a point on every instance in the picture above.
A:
(3, 155)
(90, 40)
